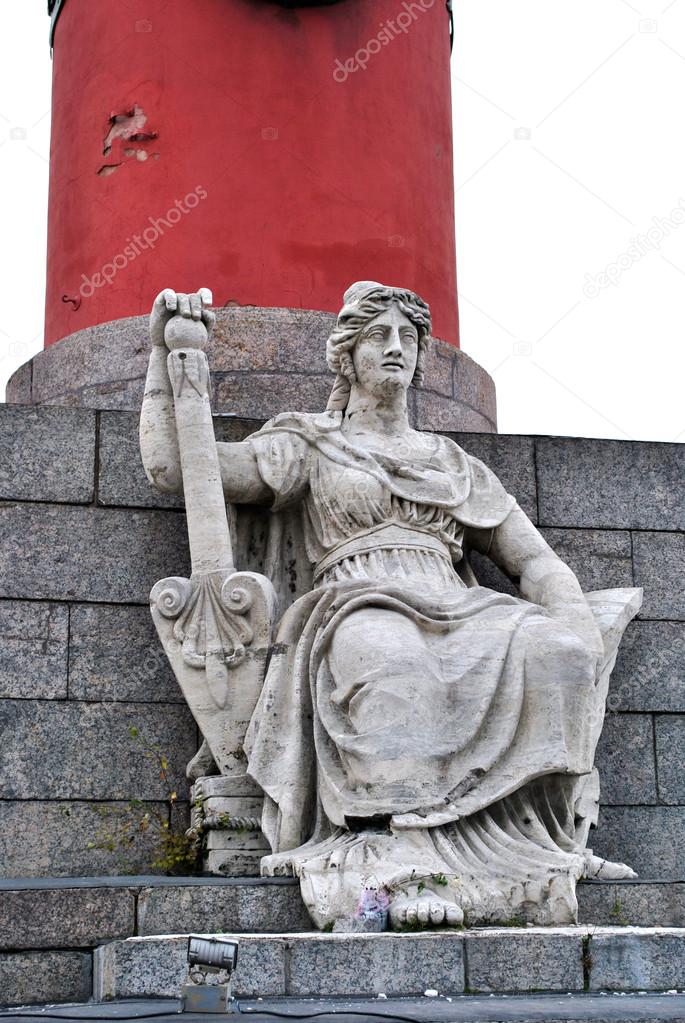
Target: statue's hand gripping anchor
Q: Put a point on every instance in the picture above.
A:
(215, 627)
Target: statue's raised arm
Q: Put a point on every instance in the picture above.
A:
(216, 626)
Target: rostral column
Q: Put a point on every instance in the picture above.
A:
(274, 152)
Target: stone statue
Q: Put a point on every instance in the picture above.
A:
(419, 749)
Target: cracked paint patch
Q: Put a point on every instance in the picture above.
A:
(126, 128)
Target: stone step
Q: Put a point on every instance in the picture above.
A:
(76, 913)
(49, 926)
(489, 960)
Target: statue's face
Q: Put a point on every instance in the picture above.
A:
(384, 357)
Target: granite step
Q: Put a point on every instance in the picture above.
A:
(38, 913)
(50, 926)
(485, 961)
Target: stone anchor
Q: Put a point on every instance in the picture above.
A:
(215, 627)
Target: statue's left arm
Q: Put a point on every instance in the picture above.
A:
(517, 548)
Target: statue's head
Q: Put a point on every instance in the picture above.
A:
(380, 339)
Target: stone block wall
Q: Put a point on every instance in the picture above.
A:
(83, 538)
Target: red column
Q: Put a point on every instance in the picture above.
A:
(273, 153)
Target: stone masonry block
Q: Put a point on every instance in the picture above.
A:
(600, 558)
(650, 670)
(157, 967)
(368, 964)
(33, 650)
(660, 569)
(121, 478)
(115, 654)
(650, 839)
(265, 906)
(66, 918)
(634, 903)
(50, 839)
(256, 395)
(229, 428)
(430, 411)
(538, 959)
(511, 458)
(638, 961)
(92, 554)
(670, 757)
(47, 454)
(615, 484)
(625, 759)
(32, 978)
(72, 750)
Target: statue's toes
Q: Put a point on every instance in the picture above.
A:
(423, 912)
(437, 913)
(412, 914)
(454, 916)
(398, 914)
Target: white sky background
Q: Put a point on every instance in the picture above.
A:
(569, 141)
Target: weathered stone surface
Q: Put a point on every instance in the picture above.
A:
(33, 653)
(366, 964)
(77, 750)
(600, 559)
(650, 839)
(637, 961)
(650, 670)
(67, 918)
(261, 395)
(114, 654)
(512, 459)
(92, 554)
(634, 903)
(266, 906)
(121, 477)
(431, 411)
(122, 480)
(670, 757)
(660, 568)
(615, 484)
(533, 960)
(229, 428)
(307, 965)
(103, 367)
(625, 759)
(47, 454)
(50, 839)
(18, 390)
(141, 967)
(32, 978)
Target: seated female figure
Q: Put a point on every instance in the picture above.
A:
(417, 734)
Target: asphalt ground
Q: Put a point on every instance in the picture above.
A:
(600, 1008)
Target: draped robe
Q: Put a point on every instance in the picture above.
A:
(398, 688)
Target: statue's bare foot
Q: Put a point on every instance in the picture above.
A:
(606, 870)
(425, 909)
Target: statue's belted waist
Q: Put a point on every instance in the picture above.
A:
(386, 536)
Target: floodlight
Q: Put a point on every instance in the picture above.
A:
(217, 957)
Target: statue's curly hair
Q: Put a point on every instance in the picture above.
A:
(363, 302)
